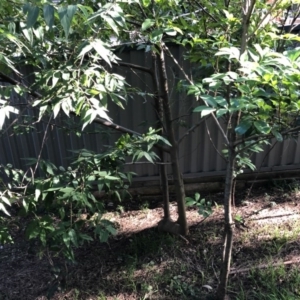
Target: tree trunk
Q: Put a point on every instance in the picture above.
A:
(178, 181)
(228, 220)
(164, 185)
(228, 227)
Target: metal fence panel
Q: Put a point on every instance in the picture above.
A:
(199, 151)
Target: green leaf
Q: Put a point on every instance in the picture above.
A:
(33, 13)
(52, 189)
(49, 15)
(293, 54)
(164, 140)
(56, 109)
(233, 52)
(85, 49)
(66, 239)
(66, 15)
(28, 34)
(244, 89)
(2, 208)
(147, 24)
(5, 200)
(262, 127)
(55, 79)
(111, 23)
(221, 101)
(189, 201)
(111, 229)
(156, 36)
(146, 3)
(73, 237)
(204, 110)
(243, 127)
(148, 157)
(221, 112)
(277, 135)
(102, 51)
(103, 236)
(209, 100)
(118, 19)
(85, 237)
(38, 192)
(233, 75)
(170, 32)
(32, 230)
(66, 76)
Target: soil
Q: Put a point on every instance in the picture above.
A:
(121, 268)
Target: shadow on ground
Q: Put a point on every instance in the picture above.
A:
(144, 265)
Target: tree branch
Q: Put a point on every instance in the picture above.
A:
(202, 8)
(269, 136)
(269, 13)
(192, 83)
(247, 12)
(191, 129)
(42, 146)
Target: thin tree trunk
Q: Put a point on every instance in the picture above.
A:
(164, 187)
(178, 181)
(228, 227)
(160, 117)
(228, 220)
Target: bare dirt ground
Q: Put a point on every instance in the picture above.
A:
(141, 263)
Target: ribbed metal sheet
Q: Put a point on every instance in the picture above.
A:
(199, 151)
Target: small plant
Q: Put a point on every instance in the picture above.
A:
(121, 209)
(267, 197)
(144, 206)
(204, 207)
(181, 286)
(60, 205)
(148, 289)
(239, 221)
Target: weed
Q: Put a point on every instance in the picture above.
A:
(145, 206)
(267, 197)
(204, 207)
(180, 286)
(101, 297)
(120, 209)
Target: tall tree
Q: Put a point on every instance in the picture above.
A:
(252, 89)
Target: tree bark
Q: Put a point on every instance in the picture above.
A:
(164, 185)
(228, 220)
(228, 227)
(177, 177)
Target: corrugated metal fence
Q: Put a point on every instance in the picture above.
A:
(198, 151)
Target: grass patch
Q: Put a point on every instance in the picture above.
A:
(272, 283)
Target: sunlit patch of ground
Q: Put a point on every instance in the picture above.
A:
(136, 221)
